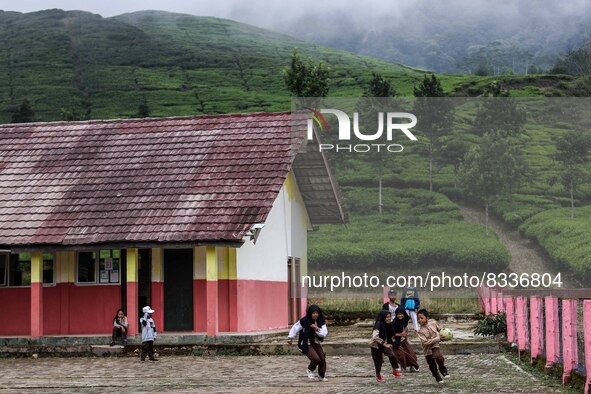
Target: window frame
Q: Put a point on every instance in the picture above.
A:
(8, 263)
(6, 257)
(96, 264)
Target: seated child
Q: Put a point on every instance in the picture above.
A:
(119, 328)
(429, 336)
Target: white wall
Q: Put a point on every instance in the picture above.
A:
(284, 235)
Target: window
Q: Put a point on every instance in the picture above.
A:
(101, 266)
(3, 269)
(15, 269)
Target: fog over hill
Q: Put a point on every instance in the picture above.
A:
(486, 37)
(481, 36)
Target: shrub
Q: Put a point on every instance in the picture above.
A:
(492, 325)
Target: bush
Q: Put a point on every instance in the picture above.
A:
(492, 325)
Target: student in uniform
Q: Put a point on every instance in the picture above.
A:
(148, 334)
(381, 344)
(119, 328)
(411, 302)
(402, 348)
(391, 305)
(429, 336)
(312, 331)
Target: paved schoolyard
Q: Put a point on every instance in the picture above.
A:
(479, 373)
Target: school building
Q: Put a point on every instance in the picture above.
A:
(203, 218)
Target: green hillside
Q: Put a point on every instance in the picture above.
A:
(80, 63)
(177, 64)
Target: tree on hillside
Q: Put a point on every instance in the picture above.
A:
(491, 170)
(434, 115)
(23, 113)
(368, 108)
(498, 113)
(143, 110)
(73, 114)
(572, 152)
(453, 152)
(306, 79)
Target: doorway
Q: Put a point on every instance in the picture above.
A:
(178, 289)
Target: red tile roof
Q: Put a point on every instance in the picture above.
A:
(185, 179)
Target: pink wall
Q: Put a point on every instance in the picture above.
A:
(92, 308)
(67, 309)
(261, 305)
(158, 304)
(16, 311)
(199, 305)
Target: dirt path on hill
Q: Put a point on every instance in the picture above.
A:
(526, 255)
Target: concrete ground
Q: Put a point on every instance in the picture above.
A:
(474, 373)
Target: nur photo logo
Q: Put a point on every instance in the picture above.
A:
(387, 122)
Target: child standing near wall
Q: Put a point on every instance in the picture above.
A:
(148, 334)
(429, 336)
(312, 331)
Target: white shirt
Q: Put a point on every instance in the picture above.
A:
(323, 332)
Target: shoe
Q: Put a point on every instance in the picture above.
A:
(112, 344)
(322, 379)
(310, 374)
(396, 373)
(413, 369)
(125, 342)
(142, 361)
(446, 376)
(440, 381)
(379, 378)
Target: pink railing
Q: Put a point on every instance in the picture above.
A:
(533, 324)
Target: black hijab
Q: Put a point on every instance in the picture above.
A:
(400, 324)
(386, 330)
(307, 333)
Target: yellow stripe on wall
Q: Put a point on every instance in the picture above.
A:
(36, 267)
(233, 269)
(156, 264)
(65, 266)
(211, 263)
(199, 268)
(132, 265)
(223, 263)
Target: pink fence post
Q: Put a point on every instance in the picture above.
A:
(537, 328)
(486, 301)
(587, 328)
(385, 294)
(500, 303)
(552, 332)
(569, 339)
(481, 299)
(522, 326)
(510, 307)
(493, 301)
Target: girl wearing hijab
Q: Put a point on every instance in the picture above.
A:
(381, 343)
(312, 330)
(403, 350)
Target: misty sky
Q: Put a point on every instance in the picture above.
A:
(272, 12)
